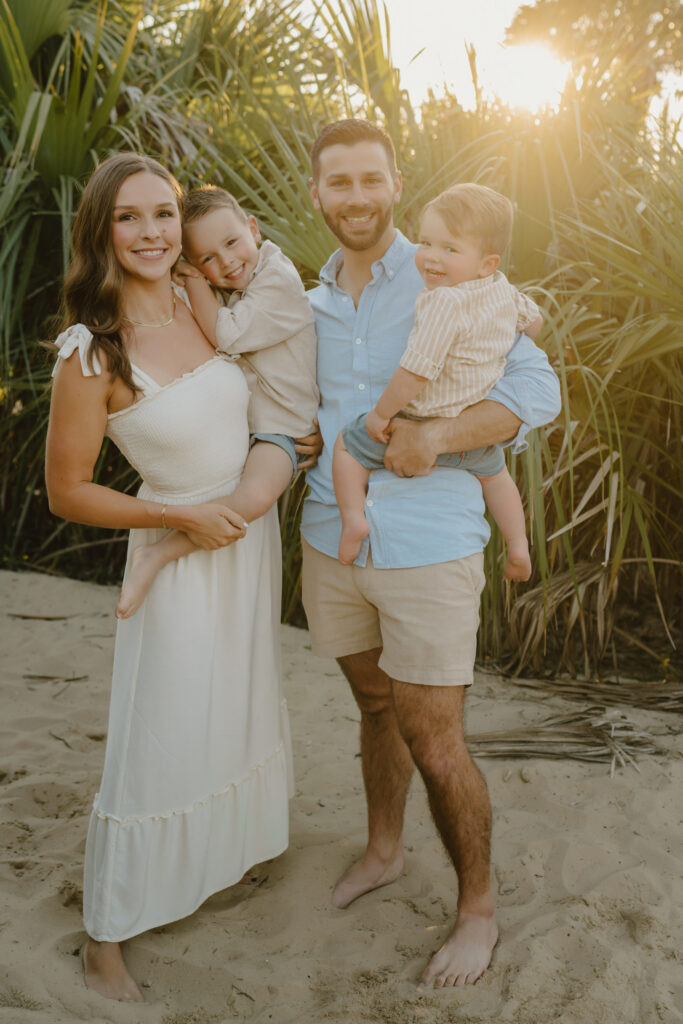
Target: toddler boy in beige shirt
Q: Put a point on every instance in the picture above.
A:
(250, 303)
(466, 321)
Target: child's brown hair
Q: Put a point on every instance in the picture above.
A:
(478, 212)
(200, 201)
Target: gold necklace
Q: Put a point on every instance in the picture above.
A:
(141, 323)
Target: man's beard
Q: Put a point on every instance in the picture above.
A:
(359, 242)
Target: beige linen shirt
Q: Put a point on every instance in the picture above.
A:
(461, 337)
(269, 327)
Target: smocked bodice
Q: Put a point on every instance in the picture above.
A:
(186, 438)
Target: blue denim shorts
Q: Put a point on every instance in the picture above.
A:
(370, 453)
(284, 442)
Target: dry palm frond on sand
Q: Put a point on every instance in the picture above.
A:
(637, 694)
(590, 735)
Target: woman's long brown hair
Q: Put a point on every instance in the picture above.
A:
(94, 281)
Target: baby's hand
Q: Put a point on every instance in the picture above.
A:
(376, 426)
(184, 272)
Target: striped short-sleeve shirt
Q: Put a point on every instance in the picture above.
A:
(461, 337)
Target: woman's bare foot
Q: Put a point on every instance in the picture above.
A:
(465, 954)
(354, 531)
(105, 972)
(518, 565)
(142, 568)
(366, 874)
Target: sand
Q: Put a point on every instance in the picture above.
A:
(587, 868)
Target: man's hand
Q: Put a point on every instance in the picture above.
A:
(310, 446)
(377, 426)
(413, 447)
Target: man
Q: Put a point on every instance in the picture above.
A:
(402, 620)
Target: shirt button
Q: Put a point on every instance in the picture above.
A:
(345, 298)
(369, 503)
(361, 387)
(359, 341)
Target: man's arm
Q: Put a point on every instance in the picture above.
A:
(527, 396)
(414, 446)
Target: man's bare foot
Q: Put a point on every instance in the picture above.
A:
(106, 973)
(143, 567)
(363, 876)
(353, 533)
(518, 565)
(465, 954)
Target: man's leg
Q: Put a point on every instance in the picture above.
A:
(430, 719)
(387, 770)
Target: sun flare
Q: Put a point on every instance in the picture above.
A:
(526, 76)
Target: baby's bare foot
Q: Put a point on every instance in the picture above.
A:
(354, 531)
(142, 569)
(106, 973)
(363, 876)
(518, 565)
(465, 954)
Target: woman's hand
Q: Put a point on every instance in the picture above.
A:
(310, 446)
(210, 526)
(376, 426)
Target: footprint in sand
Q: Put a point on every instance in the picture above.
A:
(45, 800)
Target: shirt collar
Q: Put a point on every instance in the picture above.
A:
(396, 255)
(266, 250)
(480, 283)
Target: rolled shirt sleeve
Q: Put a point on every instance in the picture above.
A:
(527, 310)
(529, 388)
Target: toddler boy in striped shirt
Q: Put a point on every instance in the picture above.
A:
(466, 321)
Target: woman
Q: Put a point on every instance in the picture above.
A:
(197, 766)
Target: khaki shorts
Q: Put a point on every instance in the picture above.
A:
(425, 619)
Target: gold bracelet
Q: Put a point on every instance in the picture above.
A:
(163, 517)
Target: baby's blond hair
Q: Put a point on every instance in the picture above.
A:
(478, 212)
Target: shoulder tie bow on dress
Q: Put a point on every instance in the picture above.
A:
(77, 337)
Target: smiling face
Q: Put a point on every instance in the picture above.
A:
(445, 258)
(224, 247)
(145, 227)
(356, 191)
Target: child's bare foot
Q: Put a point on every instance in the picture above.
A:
(143, 567)
(518, 565)
(353, 533)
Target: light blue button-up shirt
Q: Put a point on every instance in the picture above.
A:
(413, 521)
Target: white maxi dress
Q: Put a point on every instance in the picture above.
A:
(197, 769)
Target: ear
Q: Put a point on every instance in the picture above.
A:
(313, 189)
(489, 265)
(253, 227)
(398, 186)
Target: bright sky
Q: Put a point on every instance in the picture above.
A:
(440, 28)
